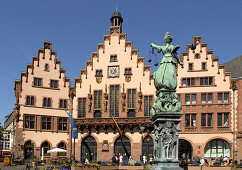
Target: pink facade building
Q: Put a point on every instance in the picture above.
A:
(117, 82)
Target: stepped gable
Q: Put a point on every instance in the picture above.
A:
(36, 61)
(191, 55)
(101, 49)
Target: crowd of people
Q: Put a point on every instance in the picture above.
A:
(213, 162)
(119, 159)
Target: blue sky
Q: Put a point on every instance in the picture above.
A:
(75, 27)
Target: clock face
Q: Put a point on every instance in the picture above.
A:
(113, 71)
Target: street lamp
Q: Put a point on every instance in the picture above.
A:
(74, 130)
(234, 135)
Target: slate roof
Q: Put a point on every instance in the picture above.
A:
(234, 67)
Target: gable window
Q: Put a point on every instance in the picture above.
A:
(131, 98)
(29, 122)
(206, 119)
(46, 123)
(190, 120)
(30, 100)
(223, 119)
(97, 99)
(81, 107)
(37, 82)
(54, 83)
(46, 102)
(148, 102)
(190, 67)
(46, 67)
(204, 66)
(62, 124)
(99, 72)
(63, 103)
(113, 58)
(188, 82)
(114, 100)
(128, 71)
(206, 81)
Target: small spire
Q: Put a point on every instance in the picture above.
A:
(116, 6)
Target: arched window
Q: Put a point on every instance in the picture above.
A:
(123, 148)
(147, 147)
(62, 145)
(185, 149)
(216, 148)
(28, 149)
(46, 147)
(89, 149)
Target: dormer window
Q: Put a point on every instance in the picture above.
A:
(99, 73)
(113, 58)
(190, 68)
(46, 67)
(204, 66)
(128, 71)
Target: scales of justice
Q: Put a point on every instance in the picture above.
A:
(166, 112)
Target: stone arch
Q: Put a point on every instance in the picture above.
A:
(216, 137)
(123, 148)
(216, 148)
(185, 148)
(45, 147)
(28, 149)
(89, 149)
(148, 146)
(58, 145)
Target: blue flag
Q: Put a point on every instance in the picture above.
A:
(73, 125)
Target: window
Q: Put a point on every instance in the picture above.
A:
(81, 107)
(204, 67)
(128, 71)
(62, 124)
(99, 72)
(190, 68)
(46, 67)
(97, 114)
(206, 120)
(30, 100)
(131, 113)
(113, 58)
(190, 98)
(131, 98)
(190, 120)
(114, 100)
(46, 102)
(148, 102)
(29, 122)
(46, 123)
(217, 148)
(206, 81)
(7, 146)
(98, 99)
(37, 82)
(63, 103)
(206, 98)
(54, 83)
(62, 145)
(223, 97)
(223, 119)
(188, 82)
(46, 147)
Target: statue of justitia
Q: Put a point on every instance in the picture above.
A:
(165, 79)
(165, 76)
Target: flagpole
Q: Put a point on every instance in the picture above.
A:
(72, 95)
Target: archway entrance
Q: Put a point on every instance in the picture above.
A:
(123, 148)
(147, 147)
(89, 149)
(28, 150)
(185, 148)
